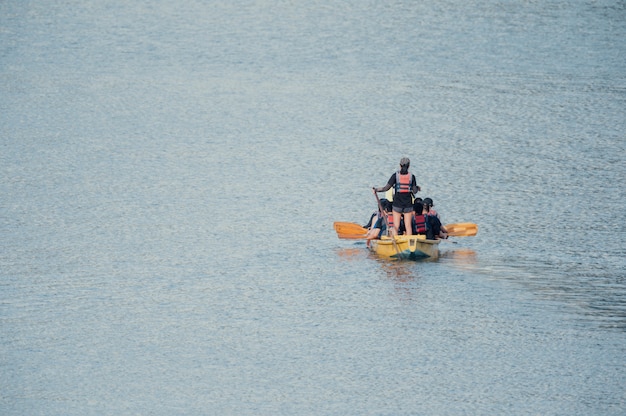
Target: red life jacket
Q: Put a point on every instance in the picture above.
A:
(404, 182)
(390, 219)
(420, 224)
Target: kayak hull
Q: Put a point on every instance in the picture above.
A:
(406, 247)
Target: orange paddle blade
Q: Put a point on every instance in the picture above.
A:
(348, 228)
(352, 236)
(462, 229)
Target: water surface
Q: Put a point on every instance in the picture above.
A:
(170, 174)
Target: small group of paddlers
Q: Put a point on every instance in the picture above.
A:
(406, 214)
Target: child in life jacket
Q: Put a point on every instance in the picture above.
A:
(434, 228)
(419, 220)
(379, 228)
(376, 214)
(389, 229)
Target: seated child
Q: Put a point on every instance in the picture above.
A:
(419, 220)
(434, 229)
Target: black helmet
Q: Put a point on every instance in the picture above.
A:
(429, 202)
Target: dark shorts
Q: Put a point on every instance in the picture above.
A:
(403, 209)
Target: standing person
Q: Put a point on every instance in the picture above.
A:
(405, 187)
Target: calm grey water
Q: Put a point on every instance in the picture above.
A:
(170, 173)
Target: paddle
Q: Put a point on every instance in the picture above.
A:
(349, 228)
(382, 211)
(461, 229)
(353, 231)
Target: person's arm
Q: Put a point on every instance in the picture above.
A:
(442, 227)
(416, 188)
(383, 189)
(390, 183)
(369, 223)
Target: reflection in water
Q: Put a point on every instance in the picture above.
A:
(352, 253)
(403, 275)
(464, 258)
(402, 270)
(398, 270)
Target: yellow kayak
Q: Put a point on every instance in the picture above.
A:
(413, 247)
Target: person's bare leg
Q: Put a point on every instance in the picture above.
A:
(396, 221)
(408, 226)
